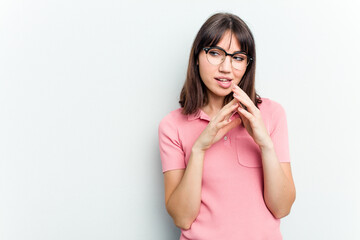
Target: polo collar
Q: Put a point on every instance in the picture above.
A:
(200, 114)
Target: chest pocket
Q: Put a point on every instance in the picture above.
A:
(248, 152)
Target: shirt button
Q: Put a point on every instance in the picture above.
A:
(225, 138)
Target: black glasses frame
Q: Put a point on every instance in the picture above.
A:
(207, 49)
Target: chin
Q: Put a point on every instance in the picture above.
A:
(223, 92)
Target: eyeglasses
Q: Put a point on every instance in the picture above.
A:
(217, 55)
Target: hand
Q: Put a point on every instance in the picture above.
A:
(251, 118)
(219, 125)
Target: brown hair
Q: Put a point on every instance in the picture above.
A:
(193, 94)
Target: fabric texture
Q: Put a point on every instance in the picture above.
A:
(232, 203)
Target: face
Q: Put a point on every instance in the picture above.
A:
(218, 78)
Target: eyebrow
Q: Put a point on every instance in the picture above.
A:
(226, 51)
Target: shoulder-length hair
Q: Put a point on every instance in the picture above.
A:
(193, 95)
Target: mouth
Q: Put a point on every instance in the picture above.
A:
(223, 79)
(224, 82)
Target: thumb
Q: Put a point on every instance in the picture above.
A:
(242, 117)
(234, 123)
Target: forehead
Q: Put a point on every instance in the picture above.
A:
(229, 42)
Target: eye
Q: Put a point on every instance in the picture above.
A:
(215, 53)
(240, 57)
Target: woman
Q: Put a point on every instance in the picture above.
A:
(225, 153)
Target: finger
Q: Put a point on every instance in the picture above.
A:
(229, 106)
(234, 123)
(246, 104)
(229, 114)
(244, 99)
(239, 92)
(246, 114)
(233, 101)
(226, 111)
(229, 124)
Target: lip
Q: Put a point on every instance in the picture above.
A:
(225, 84)
(222, 77)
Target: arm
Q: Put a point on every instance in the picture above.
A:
(279, 188)
(183, 191)
(183, 187)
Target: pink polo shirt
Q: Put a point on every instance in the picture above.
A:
(232, 202)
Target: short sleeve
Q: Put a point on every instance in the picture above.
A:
(279, 133)
(171, 151)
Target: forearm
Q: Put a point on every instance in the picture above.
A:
(184, 203)
(279, 190)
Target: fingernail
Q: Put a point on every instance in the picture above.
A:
(235, 95)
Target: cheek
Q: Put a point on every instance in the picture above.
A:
(239, 74)
(202, 63)
(205, 69)
(203, 72)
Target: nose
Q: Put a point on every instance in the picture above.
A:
(225, 66)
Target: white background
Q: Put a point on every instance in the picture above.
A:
(84, 85)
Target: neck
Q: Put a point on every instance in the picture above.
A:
(214, 105)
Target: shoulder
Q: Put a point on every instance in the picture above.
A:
(174, 116)
(273, 114)
(173, 119)
(269, 106)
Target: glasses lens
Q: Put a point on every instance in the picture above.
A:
(215, 56)
(240, 61)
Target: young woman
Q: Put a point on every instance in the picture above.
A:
(225, 152)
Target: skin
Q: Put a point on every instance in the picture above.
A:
(183, 187)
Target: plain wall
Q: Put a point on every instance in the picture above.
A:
(84, 85)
